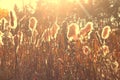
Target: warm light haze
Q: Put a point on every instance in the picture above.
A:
(9, 4)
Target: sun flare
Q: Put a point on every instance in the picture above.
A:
(9, 4)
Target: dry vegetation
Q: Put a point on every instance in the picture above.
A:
(27, 53)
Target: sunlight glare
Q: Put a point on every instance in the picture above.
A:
(9, 4)
(52, 1)
(86, 1)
